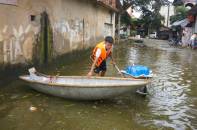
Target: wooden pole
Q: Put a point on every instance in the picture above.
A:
(119, 15)
(53, 78)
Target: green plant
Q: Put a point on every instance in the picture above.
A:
(180, 12)
(126, 33)
(132, 32)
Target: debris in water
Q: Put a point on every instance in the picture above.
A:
(53, 118)
(25, 96)
(14, 97)
(58, 122)
(33, 108)
(126, 120)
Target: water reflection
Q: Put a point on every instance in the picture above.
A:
(172, 103)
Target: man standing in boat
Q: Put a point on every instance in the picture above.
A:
(100, 53)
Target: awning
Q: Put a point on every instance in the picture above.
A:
(193, 10)
(182, 23)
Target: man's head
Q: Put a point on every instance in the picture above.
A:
(108, 42)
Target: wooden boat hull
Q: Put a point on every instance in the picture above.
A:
(86, 92)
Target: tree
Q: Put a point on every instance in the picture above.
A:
(141, 5)
(180, 12)
(126, 18)
(149, 8)
(151, 19)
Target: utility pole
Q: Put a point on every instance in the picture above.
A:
(168, 14)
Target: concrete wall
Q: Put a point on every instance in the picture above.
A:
(83, 26)
(74, 25)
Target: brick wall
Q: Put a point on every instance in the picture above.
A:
(112, 3)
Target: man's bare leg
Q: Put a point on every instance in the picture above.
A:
(97, 74)
(103, 73)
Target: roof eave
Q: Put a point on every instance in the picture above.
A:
(193, 10)
(119, 5)
(107, 6)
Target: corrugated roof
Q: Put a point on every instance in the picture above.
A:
(183, 22)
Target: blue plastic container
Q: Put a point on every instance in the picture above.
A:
(137, 70)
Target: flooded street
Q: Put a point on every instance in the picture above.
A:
(172, 103)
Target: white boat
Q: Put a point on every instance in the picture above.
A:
(81, 88)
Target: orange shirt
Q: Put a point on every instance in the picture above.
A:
(103, 55)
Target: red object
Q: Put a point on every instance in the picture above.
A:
(135, 27)
(51, 77)
(190, 17)
(129, 26)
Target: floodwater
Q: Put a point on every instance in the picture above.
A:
(172, 103)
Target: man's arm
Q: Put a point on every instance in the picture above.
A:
(92, 68)
(111, 56)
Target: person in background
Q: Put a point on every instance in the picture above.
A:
(100, 53)
(192, 41)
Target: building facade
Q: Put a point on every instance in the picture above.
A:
(185, 3)
(39, 31)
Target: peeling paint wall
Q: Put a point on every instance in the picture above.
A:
(74, 25)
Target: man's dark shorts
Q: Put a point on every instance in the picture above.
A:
(102, 67)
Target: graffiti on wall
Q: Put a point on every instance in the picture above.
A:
(17, 47)
(188, 32)
(63, 26)
(81, 28)
(74, 32)
(11, 2)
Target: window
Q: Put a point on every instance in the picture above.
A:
(33, 18)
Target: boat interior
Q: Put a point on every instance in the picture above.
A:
(84, 81)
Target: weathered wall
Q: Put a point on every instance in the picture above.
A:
(74, 25)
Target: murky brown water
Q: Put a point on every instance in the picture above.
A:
(171, 105)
